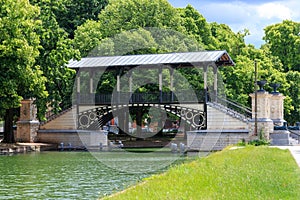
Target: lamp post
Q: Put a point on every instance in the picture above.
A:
(255, 89)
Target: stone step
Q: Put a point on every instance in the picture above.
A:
(217, 119)
(65, 121)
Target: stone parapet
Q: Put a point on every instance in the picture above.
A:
(76, 138)
(265, 126)
(212, 140)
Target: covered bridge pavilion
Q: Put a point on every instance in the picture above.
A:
(173, 61)
(119, 64)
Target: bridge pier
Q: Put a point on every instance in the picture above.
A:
(28, 125)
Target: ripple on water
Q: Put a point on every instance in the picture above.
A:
(71, 175)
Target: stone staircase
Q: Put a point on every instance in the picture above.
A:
(65, 120)
(220, 117)
(225, 126)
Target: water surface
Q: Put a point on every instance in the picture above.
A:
(73, 175)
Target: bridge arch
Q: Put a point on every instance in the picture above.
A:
(98, 117)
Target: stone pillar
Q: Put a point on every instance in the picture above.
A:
(28, 125)
(276, 109)
(264, 123)
(276, 103)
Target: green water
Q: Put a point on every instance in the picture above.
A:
(76, 175)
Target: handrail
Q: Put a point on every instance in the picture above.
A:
(231, 101)
(230, 107)
(143, 97)
(295, 134)
(51, 116)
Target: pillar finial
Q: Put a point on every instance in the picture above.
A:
(275, 86)
(261, 84)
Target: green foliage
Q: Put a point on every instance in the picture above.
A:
(56, 50)
(292, 113)
(258, 142)
(121, 15)
(123, 28)
(284, 41)
(196, 25)
(74, 13)
(226, 39)
(87, 37)
(18, 50)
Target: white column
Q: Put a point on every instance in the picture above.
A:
(205, 77)
(78, 83)
(118, 83)
(215, 81)
(160, 79)
(160, 84)
(91, 82)
(171, 79)
(130, 82)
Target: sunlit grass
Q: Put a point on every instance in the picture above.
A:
(246, 173)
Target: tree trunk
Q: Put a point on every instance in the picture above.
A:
(8, 126)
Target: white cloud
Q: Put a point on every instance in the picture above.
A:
(274, 10)
(253, 15)
(226, 12)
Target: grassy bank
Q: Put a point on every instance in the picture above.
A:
(247, 173)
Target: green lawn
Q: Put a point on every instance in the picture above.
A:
(247, 173)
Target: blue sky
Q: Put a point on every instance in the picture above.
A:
(253, 15)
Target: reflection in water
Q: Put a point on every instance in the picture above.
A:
(68, 175)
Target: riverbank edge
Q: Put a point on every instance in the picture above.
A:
(15, 148)
(143, 184)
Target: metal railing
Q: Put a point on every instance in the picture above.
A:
(143, 97)
(50, 115)
(295, 134)
(230, 107)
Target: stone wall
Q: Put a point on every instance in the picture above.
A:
(212, 140)
(76, 138)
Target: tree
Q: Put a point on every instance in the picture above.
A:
(196, 25)
(283, 40)
(226, 39)
(87, 37)
(19, 43)
(121, 15)
(55, 52)
(73, 13)
(292, 114)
